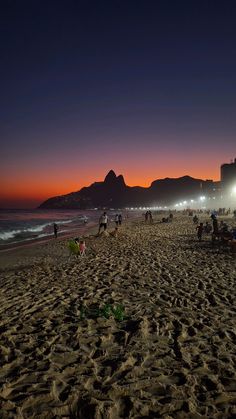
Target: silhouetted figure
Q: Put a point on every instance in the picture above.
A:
(150, 217)
(120, 219)
(213, 215)
(199, 231)
(215, 226)
(195, 219)
(117, 220)
(55, 228)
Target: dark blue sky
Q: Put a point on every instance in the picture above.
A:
(115, 84)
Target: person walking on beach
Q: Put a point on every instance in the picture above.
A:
(120, 219)
(117, 220)
(55, 228)
(103, 220)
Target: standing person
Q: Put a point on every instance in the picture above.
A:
(146, 217)
(199, 231)
(103, 220)
(215, 225)
(119, 219)
(150, 217)
(55, 228)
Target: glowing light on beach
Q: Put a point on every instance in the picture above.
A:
(234, 190)
(202, 198)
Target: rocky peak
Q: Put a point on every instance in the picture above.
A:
(110, 177)
(120, 180)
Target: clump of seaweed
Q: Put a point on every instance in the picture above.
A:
(106, 311)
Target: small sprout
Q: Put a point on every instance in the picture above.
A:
(106, 311)
(118, 313)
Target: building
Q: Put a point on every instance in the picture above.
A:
(228, 175)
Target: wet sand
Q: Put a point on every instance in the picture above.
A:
(172, 356)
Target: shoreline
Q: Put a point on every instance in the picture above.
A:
(46, 239)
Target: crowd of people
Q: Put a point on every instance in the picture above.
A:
(219, 231)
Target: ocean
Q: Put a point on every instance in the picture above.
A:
(22, 226)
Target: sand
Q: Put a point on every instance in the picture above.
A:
(173, 356)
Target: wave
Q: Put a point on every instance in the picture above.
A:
(40, 236)
(6, 235)
(22, 233)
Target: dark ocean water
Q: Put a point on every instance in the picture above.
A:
(18, 226)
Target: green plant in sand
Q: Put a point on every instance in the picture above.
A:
(73, 247)
(106, 311)
(118, 313)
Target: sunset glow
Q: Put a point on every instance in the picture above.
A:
(22, 191)
(142, 97)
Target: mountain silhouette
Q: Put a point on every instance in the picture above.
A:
(114, 193)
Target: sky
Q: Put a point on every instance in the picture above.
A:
(146, 88)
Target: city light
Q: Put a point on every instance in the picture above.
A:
(204, 201)
(234, 190)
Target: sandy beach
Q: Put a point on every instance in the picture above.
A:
(172, 355)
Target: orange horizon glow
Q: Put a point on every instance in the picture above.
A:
(29, 193)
